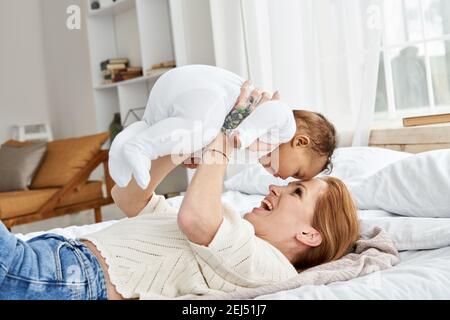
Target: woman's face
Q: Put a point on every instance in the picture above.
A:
(287, 212)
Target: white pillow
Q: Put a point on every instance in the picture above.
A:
(357, 163)
(417, 186)
(349, 164)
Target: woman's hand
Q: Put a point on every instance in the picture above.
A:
(245, 105)
(256, 98)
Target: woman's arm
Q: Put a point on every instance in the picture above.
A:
(200, 215)
(132, 199)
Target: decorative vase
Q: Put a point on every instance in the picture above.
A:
(115, 127)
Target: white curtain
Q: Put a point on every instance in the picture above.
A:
(323, 55)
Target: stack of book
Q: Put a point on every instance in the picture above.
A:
(116, 70)
(128, 73)
(159, 68)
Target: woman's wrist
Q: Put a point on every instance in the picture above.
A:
(214, 156)
(218, 150)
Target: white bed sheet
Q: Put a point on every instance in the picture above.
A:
(421, 274)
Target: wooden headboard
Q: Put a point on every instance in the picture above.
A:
(412, 139)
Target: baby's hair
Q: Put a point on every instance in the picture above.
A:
(320, 131)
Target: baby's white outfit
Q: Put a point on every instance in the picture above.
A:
(185, 112)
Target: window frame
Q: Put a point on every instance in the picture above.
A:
(392, 113)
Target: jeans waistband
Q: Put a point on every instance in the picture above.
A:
(93, 270)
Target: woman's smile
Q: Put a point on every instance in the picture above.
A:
(261, 210)
(267, 206)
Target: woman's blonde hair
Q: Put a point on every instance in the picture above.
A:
(336, 219)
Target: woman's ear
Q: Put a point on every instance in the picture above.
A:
(301, 141)
(311, 237)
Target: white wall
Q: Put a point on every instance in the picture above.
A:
(44, 69)
(69, 84)
(192, 32)
(45, 77)
(23, 92)
(228, 34)
(198, 32)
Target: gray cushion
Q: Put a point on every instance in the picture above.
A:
(18, 165)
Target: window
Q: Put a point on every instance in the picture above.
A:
(414, 75)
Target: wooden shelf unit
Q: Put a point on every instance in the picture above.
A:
(146, 32)
(139, 30)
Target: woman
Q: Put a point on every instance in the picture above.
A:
(204, 248)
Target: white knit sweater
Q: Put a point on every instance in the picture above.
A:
(148, 256)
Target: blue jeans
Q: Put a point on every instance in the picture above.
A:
(48, 267)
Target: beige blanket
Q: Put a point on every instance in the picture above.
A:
(373, 254)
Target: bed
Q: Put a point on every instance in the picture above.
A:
(421, 274)
(423, 242)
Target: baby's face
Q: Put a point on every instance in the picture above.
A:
(288, 161)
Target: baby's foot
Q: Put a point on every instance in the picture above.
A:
(120, 171)
(139, 163)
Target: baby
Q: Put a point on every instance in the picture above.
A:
(188, 107)
(186, 110)
(308, 153)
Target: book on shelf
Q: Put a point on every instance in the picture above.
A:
(129, 77)
(126, 71)
(165, 64)
(427, 119)
(118, 61)
(121, 70)
(130, 74)
(134, 69)
(122, 61)
(154, 72)
(116, 67)
(121, 74)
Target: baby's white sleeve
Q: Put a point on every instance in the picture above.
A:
(272, 122)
